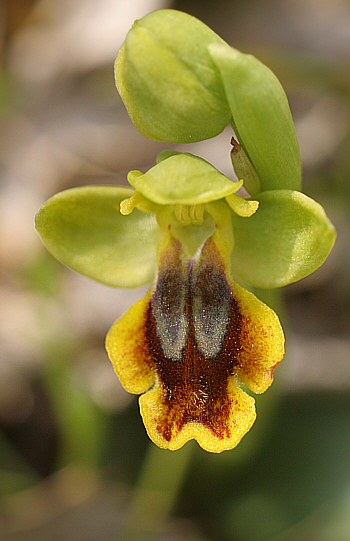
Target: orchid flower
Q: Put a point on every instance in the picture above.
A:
(190, 343)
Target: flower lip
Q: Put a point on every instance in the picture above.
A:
(188, 342)
(195, 370)
(184, 179)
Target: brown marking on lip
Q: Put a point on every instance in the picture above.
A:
(195, 389)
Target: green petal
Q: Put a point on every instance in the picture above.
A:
(167, 80)
(182, 178)
(287, 238)
(84, 229)
(261, 118)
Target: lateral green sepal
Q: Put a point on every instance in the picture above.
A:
(84, 229)
(287, 238)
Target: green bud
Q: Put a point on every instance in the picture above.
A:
(168, 81)
(244, 168)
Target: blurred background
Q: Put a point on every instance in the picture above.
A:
(75, 462)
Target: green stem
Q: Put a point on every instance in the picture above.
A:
(156, 492)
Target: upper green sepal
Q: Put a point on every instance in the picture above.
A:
(83, 228)
(287, 238)
(261, 119)
(167, 80)
(182, 178)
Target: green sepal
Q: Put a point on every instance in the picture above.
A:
(83, 228)
(182, 178)
(287, 238)
(167, 80)
(262, 119)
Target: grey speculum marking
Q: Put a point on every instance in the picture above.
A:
(168, 304)
(209, 295)
(210, 310)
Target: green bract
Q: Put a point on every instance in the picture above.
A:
(261, 119)
(168, 81)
